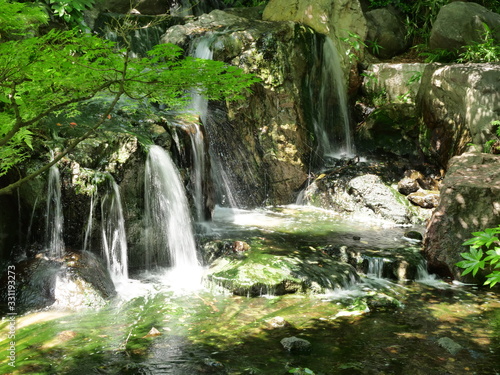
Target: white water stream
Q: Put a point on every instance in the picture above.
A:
(114, 238)
(54, 220)
(169, 233)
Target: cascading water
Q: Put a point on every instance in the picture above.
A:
(114, 240)
(375, 266)
(328, 101)
(225, 191)
(198, 175)
(90, 222)
(54, 219)
(169, 237)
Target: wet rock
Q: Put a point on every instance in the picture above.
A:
(265, 159)
(256, 272)
(79, 281)
(296, 345)
(396, 264)
(382, 302)
(361, 196)
(329, 17)
(451, 346)
(424, 198)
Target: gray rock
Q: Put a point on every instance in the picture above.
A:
(407, 186)
(380, 198)
(457, 103)
(77, 281)
(387, 33)
(470, 201)
(451, 346)
(460, 23)
(397, 81)
(296, 345)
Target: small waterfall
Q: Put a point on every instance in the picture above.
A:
(199, 104)
(198, 175)
(375, 266)
(329, 104)
(90, 222)
(30, 226)
(423, 275)
(169, 234)
(114, 240)
(54, 219)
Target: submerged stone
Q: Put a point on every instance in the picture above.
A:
(296, 345)
(450, 345)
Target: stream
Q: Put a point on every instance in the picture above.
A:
(167, 324)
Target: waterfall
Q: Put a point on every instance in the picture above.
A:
(216, 128)
(329, 104)
(198, 174)
(54, 219)
(90, 222)
(169, 234)
(114, 240)
(375, 266)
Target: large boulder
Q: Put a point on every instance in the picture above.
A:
(79, 280)
(461, 23)
(259, 145)
(458, 103)
(387, 33)
(398, 82)
(470, 201)
(361, 197)
(335, 18)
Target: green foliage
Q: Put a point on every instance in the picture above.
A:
(486, 51)
(476, 259)
(71, 11)
(17, 19)
(355, 43)
(436, 55)
(54, 74)
(493, 145)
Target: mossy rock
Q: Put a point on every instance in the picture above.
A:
(258, 272)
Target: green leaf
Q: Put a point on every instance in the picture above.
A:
(493, 278)
(472, 262)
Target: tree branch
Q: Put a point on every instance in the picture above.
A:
(8, 189)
